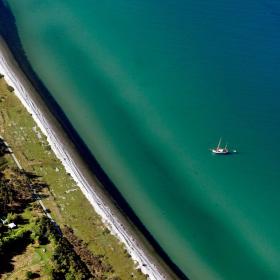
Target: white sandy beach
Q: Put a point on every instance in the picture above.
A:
(146, 261)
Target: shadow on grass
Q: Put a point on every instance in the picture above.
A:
(10, 250)
(33, 275)
(20, 220)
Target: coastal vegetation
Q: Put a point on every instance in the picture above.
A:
(74, 243)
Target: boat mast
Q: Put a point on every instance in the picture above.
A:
(219, 143)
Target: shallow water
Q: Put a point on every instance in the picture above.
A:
(150, 86)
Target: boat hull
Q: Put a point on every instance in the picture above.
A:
(223, 152)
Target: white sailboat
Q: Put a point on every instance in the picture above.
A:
(220, 151)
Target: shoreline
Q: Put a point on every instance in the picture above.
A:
(136, 244)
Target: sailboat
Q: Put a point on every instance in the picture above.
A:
(219, 150)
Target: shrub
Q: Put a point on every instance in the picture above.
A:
(29, 275)
(11, 217)
(10, 88)
(42, 231)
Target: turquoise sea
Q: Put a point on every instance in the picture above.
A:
(150, 86)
